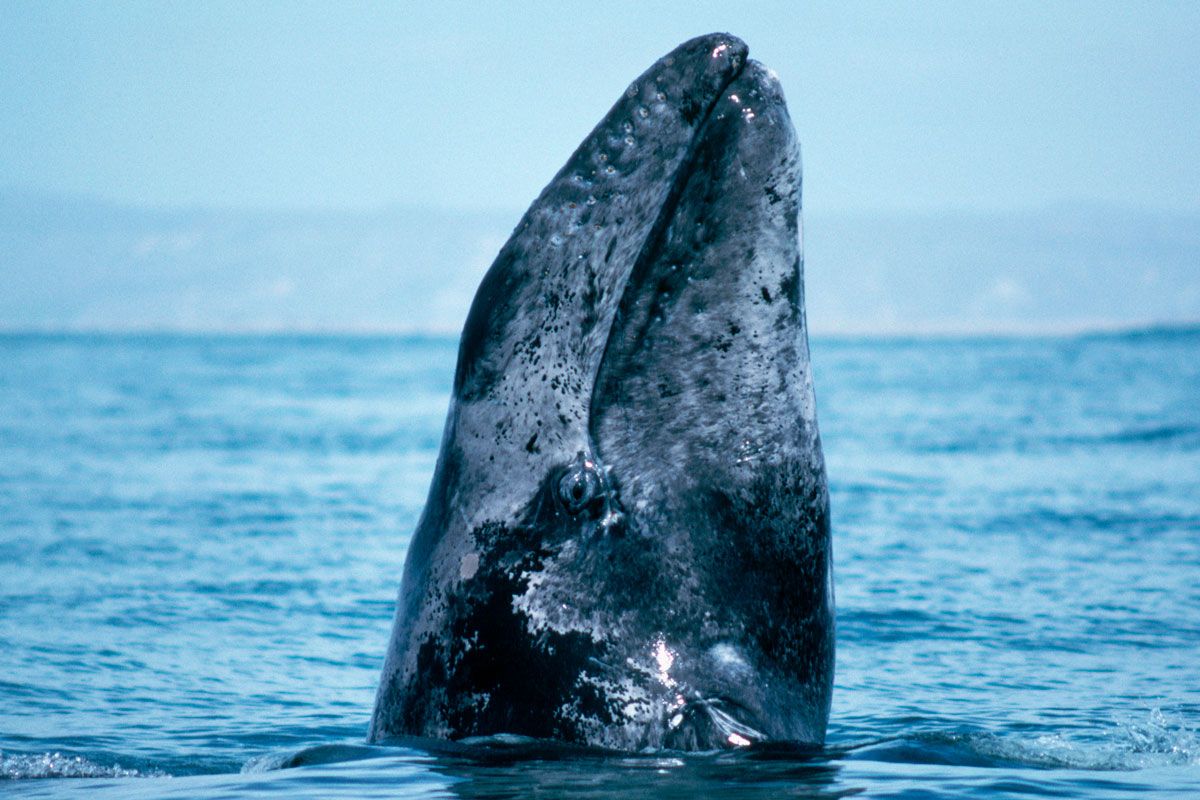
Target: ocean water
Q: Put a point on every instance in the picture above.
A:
(201, 540)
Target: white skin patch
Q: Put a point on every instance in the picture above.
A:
(729, 659)
(469, 566)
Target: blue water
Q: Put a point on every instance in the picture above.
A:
(201, 540)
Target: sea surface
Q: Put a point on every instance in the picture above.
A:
(201, 540)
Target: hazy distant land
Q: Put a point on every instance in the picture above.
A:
(75, 264)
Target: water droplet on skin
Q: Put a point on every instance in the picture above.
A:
(556, 240)
(591, 201)
(602, 157)
(610, 170)
(627, 127)
(660, 96)
(629, 140)
(643, 112)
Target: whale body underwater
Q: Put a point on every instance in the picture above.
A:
(626, 543)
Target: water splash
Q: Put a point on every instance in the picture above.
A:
(57, 765)
(1159, 740)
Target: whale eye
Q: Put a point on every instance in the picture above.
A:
(579, 489)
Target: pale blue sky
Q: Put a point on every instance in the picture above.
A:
(900, 107)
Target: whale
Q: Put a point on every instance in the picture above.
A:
(626, 542)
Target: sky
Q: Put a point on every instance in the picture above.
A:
(901, 107)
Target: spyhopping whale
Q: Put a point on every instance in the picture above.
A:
(626, 542)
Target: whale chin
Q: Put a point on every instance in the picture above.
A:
(712, 723)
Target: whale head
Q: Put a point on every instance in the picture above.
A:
(626, 541)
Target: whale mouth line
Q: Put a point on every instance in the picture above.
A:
(711, 723)
(653, 242)
(683, 173)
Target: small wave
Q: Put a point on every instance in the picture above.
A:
(1157, 741)
(1160, 739)
(1157, 434)
(57, 765)
(313, 756)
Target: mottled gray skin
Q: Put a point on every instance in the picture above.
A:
(626, 542)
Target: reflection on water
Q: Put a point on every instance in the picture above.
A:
(741, 774)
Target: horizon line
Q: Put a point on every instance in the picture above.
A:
(948, 331)
(14, 192)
